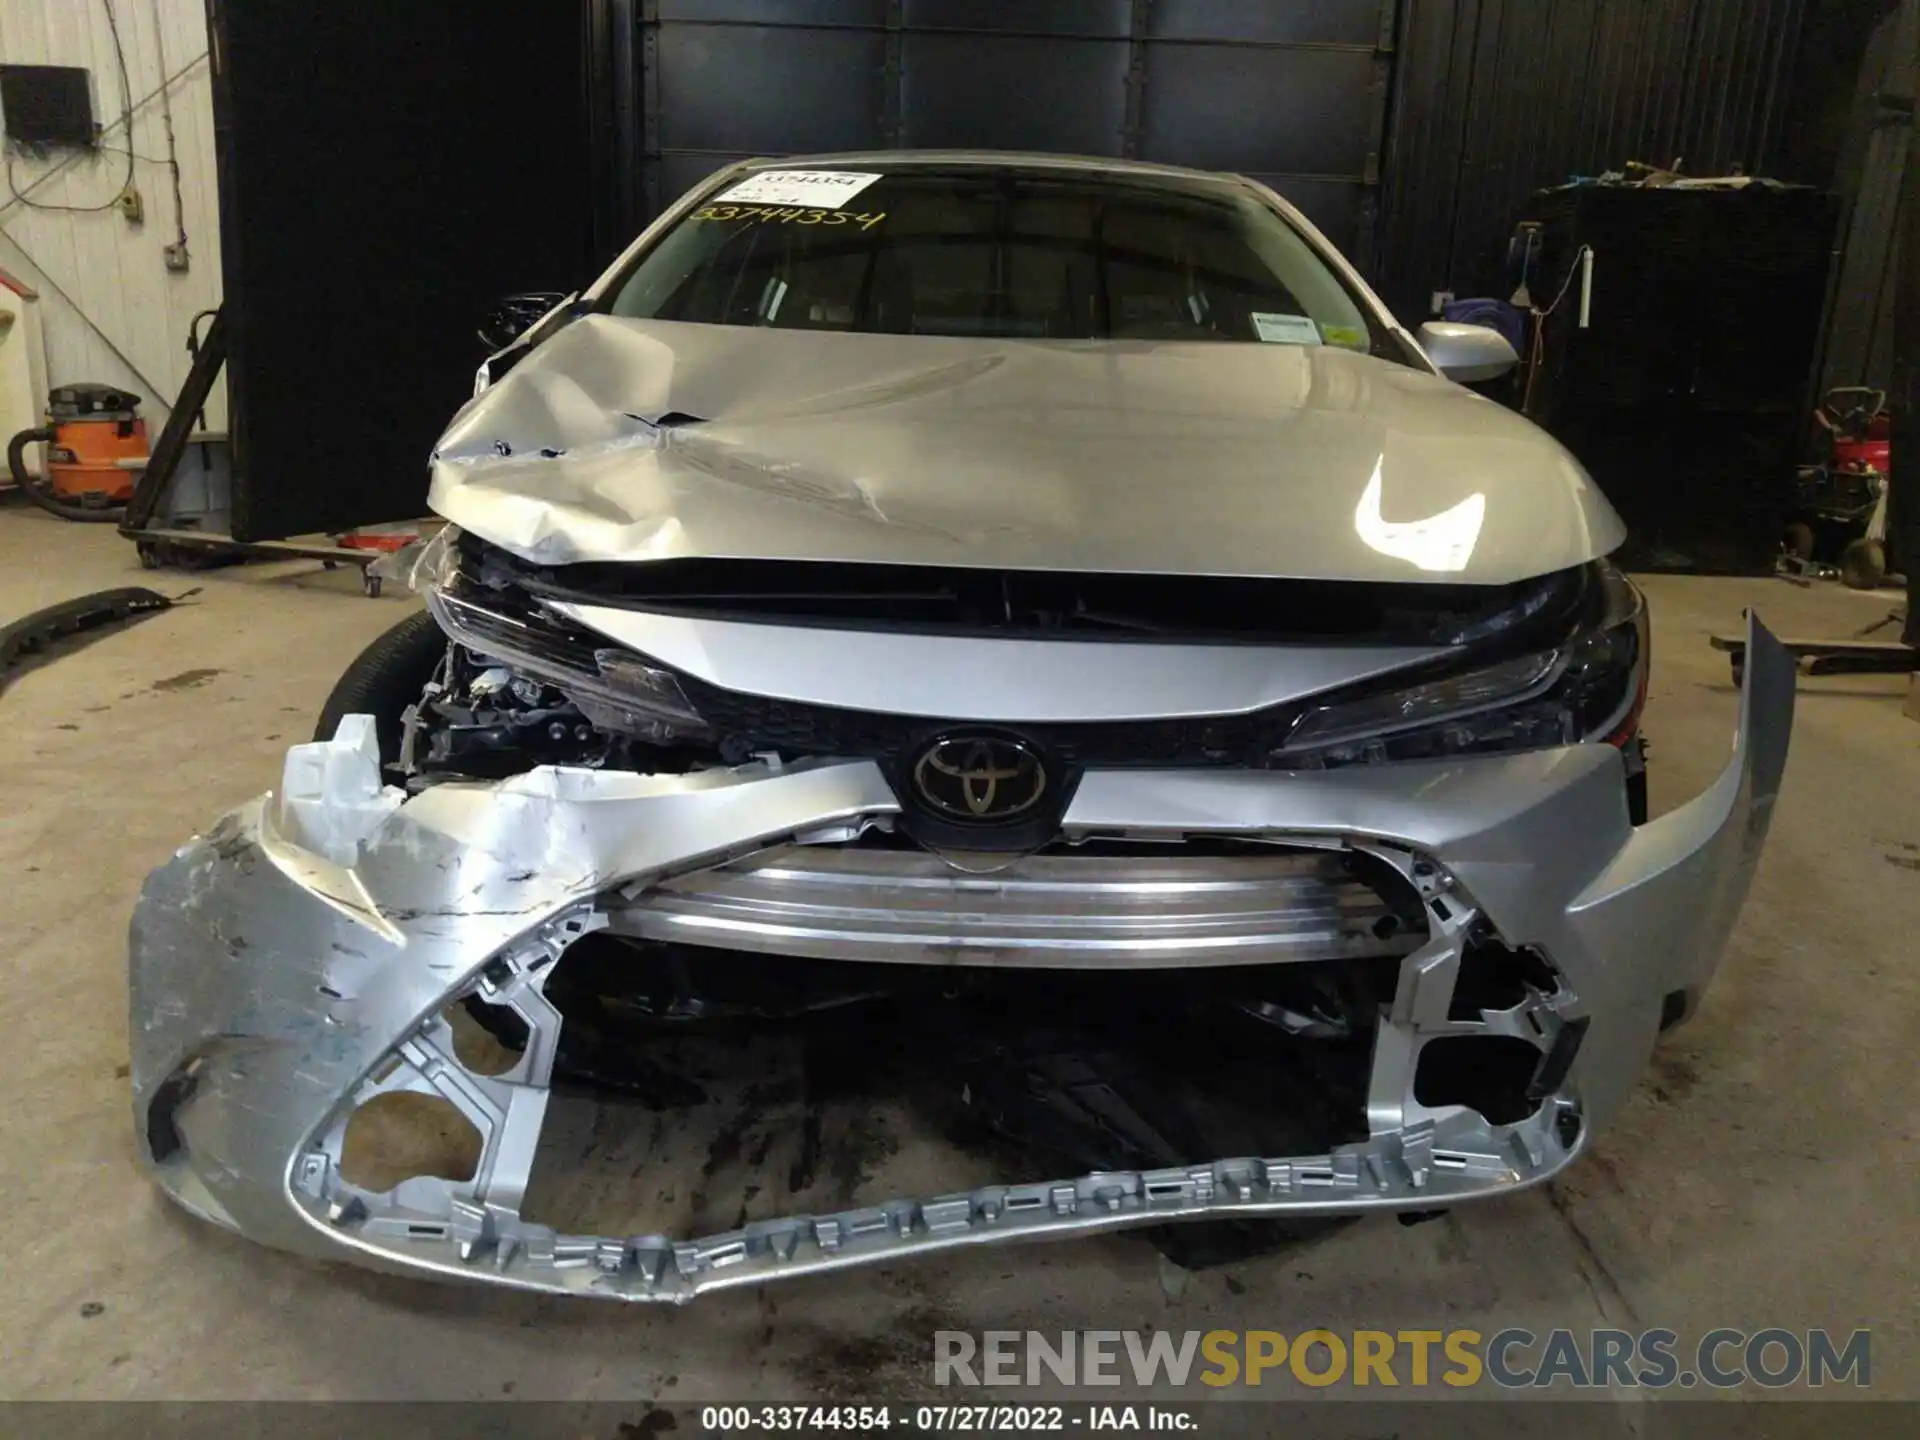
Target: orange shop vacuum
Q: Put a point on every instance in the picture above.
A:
(90, 430)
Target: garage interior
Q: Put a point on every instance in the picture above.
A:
(328, 201)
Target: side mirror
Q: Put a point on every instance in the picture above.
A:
(1467, 354)
(512, 316)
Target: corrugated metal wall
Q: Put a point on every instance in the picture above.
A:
(111, 310)
(1859, 346)
(1496, 98)
(1291, 94)
(1492, 99)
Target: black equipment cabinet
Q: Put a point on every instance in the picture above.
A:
(1688, 396)
(387, 172)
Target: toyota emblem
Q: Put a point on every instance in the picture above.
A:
(980, 777)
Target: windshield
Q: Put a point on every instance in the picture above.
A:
(988, 252)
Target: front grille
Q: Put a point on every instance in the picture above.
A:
(1496, 621)
(508, 623)
(757, 722)
(508, 627)
(1033, 604)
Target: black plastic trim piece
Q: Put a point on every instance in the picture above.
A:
(34, 632)
(1552, 1073)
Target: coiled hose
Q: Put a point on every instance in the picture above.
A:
(42, 495)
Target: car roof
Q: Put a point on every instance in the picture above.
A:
(1023, 159)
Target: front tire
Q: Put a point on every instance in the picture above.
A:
(385, 679)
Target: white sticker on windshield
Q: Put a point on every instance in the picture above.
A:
(815, 189)
(1285, 329)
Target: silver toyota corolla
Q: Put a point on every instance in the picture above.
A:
(945, 591)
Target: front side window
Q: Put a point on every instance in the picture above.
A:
(1004, 253)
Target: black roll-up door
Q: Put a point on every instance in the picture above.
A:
(1293, 95)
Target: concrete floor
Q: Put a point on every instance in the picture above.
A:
(1763, 1176)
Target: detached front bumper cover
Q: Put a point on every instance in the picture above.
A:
(297, 961)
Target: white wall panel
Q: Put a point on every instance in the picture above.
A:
(103, 282)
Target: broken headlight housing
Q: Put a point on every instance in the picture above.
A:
(1589, 688)
(616, 690)
(431, 564)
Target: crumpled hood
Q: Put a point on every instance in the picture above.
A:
(632, 440)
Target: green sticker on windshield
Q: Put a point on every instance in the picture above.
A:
(1285, 329)
(1351, 336)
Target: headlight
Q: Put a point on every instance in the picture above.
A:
(616, 690)
(433, 563)
(1590, 688)
(639, 698)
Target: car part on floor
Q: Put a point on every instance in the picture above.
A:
(1855, 656)
(32, 633)
(96, 442)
